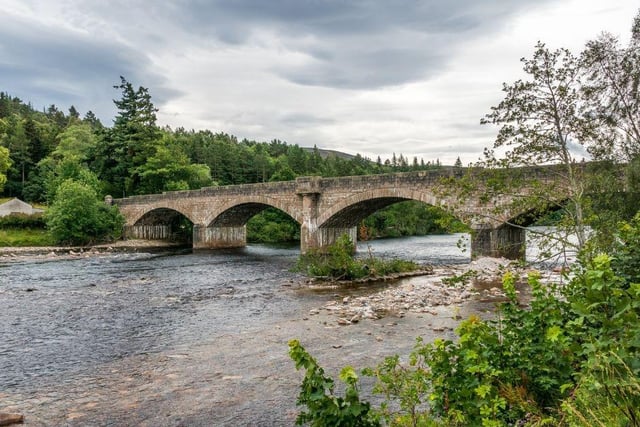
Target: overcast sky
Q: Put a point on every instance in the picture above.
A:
(371, 77)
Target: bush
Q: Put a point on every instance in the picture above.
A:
(324, 408)
(626, 262)
(339, 263)
(18, 220)
(77, 216)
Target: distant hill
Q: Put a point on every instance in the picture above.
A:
(330, 153)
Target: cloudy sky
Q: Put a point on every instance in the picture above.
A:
(369, 76)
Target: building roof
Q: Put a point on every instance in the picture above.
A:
(18, 206)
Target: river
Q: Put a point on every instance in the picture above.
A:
(181, 338)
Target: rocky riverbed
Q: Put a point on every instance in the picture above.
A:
(442, 287)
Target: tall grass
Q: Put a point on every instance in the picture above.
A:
(16, 237)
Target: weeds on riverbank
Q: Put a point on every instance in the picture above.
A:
(24, 230)
(338, 263)
(16, 237)
(572, 360)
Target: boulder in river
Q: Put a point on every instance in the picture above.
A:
(9, 419)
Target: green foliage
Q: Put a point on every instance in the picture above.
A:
(56, 172)
(15, 237)
(323, 407)
(131, 141)
(339, 263)
(77, 216)
(272, 226)
(610, 92)
(606, 330)
(5, 163)
(607, 395)
(411, 218)
(626, 262)
(407, 385)
(18, 220)
(78, 140)
(540, 118)
(500, 371)
(169, 169)
(24, 230)
(571, 358)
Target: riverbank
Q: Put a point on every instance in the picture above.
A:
(17, 253)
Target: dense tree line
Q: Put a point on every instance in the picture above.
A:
(136, 156)
(41, 150)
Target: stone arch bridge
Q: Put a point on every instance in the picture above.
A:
(325, 208)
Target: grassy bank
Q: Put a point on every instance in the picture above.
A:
(25, 237)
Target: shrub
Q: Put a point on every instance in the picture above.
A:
(324, 408)
(19, 220)
(339, 263)
(626, 262)
(77, 216)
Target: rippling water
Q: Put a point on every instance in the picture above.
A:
(77, 329)
(66, 316)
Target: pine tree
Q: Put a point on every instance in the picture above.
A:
(130, 142)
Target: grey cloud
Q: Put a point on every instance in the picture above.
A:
(303, 119)
(46, 65)
(356, 44)
(363, 68)
(363, 44)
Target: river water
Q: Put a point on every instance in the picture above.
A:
(181, 338)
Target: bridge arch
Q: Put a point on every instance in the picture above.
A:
(160, 223)
(237, 212)
(226, 225)
(343, 216)
(350, 211)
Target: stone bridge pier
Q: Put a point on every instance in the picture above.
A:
(498, 241)
(313, 236)
(219, 237)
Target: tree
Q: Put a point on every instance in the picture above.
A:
(169, 169)
(73, 113)
(77, 140)
(541, 123)
(91, 119)
(70, 167)
(131, 141)
(5, 163)
(77, 216)
(612, 92)
(15, 140)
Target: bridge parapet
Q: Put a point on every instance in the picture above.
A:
(227, 190)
